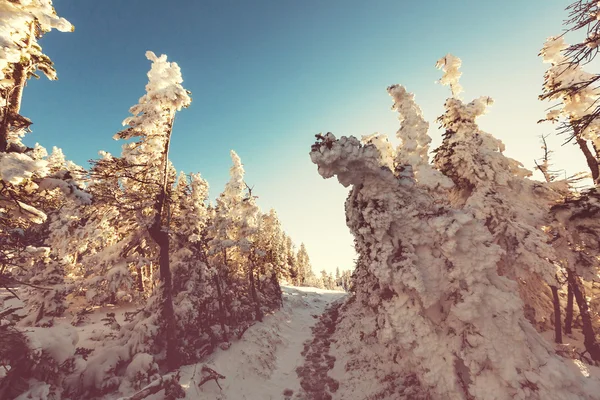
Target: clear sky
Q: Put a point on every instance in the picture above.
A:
(266, 76)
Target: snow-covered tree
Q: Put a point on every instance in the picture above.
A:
(23, 23)
(290, 260)
(575, 94)
(142, 181)
(269, 242)
(430, 294)
(303, 266)
(194, 294)
(328, 281)
(45, 299)
(568, 85)
(496, 190)
(24, 171)
(567, 81)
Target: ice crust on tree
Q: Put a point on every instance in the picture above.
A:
(428, 284)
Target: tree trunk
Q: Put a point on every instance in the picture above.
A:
(591, 345)
(569, 310)
(14, 95)
(160, 235)
(258, 283)
(592, 162)
(221, 308)
(257, 310)
(161, 238)
(275, 282)
(140, 281)
(557, 319)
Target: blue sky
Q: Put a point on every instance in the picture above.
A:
(266, 76)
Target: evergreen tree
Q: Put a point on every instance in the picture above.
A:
(428, 284)
(143, 173)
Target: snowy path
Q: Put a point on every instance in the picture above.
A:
(263, 364)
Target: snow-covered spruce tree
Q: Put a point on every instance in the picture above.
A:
(194, 294)
(236, 238)
(271, 259)
(143, 173)
(152, 122)
(302, 265)
(291, 260)
(328, 281)
(437, 318)
(243, 248)
(306, 276)
(496, 190)
(251, 255)
(221, 245)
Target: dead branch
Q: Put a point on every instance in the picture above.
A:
(9, 311)
(209, 374)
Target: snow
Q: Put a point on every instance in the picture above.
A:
(16, 168)
(263, 363)
(15, 18)
(450, 65)
(56, 341)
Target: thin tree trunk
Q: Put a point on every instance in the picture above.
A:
(160, 235)
(258, 284)
(257, 311)
(591, 345)
(275, 282)
(569, 309)
(221, 308)
(15, 95)
(168, 313)
(592, 162)
(140, 281)
(557, 319)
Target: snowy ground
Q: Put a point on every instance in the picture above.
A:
(262, 365)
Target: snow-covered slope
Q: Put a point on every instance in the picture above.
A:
(262, 365)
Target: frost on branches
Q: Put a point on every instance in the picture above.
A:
(442, 253)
